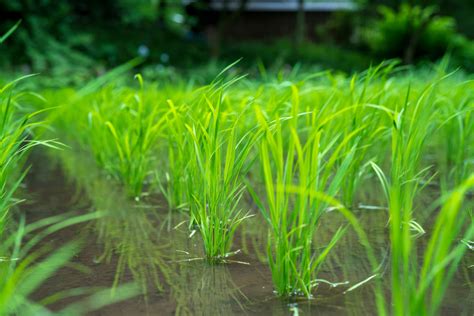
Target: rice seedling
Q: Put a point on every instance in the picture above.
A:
(174, 185)
(444, 251)
(219, 159)
(125, 137)
(457, 130)
(30, 263)
(417, 292)
(174, 182)
(195, 108)
(17, 138)
(411, 125)
(24, 263)
(294, 218)
(19, 277)
(14, 144)
(361, 97)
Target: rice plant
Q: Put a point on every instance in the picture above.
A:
(22, 272)
(31, 262)
(13, 145)
(444, 251)
(417, 292)
(294, 218)
(219, 159)
(124, 138)
(15, 130)
(362, 96)
(411, 125)
(173, 183)
(456, 128)
(25, 264)
(18, 279)
(17, 137)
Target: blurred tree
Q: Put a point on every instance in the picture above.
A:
(414, 32)
(460, 10)
(64, 34)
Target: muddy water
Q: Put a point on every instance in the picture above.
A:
(167, 263)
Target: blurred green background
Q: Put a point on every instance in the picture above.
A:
(72, 41)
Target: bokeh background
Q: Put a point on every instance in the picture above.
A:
(73, 41)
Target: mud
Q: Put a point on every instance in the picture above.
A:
(241, 287)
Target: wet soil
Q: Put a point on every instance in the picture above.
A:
(241, 287)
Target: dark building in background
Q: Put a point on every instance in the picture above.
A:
(264, 19)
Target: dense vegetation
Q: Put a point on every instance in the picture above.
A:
(298, 149)
(170, 38)
(180, 162)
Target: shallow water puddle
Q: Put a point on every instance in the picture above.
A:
(156, 248)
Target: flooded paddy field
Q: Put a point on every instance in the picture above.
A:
(187, 284)
(324, 194)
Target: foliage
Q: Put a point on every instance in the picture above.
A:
(75, 49)
(412, 125)
(460, 10)
(126, 137)
(16, 139)
(296, 137)
(25, 264)
(294, 218)
(218, 160)
(410, 27)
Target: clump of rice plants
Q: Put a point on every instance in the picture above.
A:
(194, 108)
(173, 183)
(444, 251)
(366, 89)
(219, 158)
(18, 276)
(411, 124)
(416, 292)
(290, 160)
(124, 137)
(456, 128)
(14, 145)
(21, 275)
(16, 139)
(24, 263)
